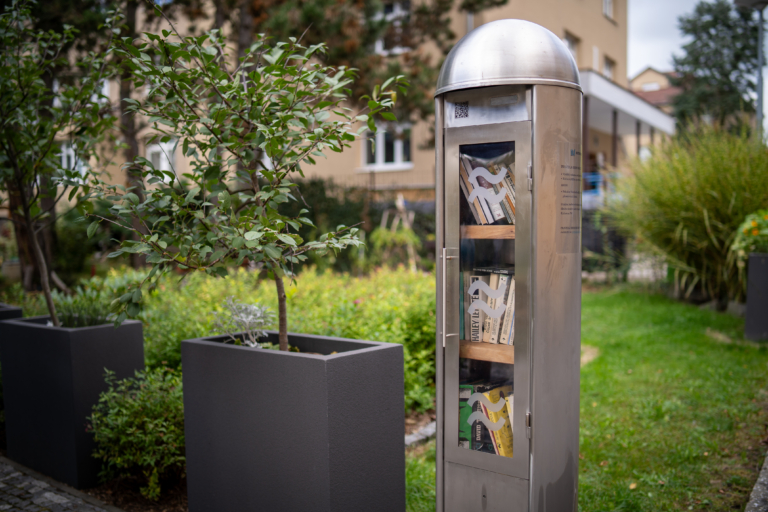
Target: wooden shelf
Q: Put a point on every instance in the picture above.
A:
(489, 232)
(487, 352)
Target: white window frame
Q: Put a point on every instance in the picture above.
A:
(167, 157)
(609, 67)
(608, 8)
(379, 153)
(398, 13)
(67, 151)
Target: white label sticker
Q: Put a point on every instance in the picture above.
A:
(505, 100)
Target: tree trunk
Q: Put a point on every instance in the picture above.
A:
(128, 128)
(23, 243)
(282, 311)
(38, 255)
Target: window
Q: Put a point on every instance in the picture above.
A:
(394, 42)
(608, 8)
(572, 42)
(392, 149)
(161, 155)
(650, 86)
(608, 68)
(69, 159)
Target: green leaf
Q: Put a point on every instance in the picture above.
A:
(287, 239)
(192, 193)
(225, 199)
(389, 116)
(92, 228)
(273, 252)
(253, 235)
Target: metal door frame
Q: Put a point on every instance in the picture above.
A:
(519, 132)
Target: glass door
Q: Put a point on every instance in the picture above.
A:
(486, 349)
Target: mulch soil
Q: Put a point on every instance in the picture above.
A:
(125, 494)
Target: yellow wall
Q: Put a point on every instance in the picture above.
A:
(598, 36)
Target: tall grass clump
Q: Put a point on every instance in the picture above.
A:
(686, 202)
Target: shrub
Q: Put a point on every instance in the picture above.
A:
(84, 308)
(138, 426)
(752, 235)
(394, 306)
(686, 202)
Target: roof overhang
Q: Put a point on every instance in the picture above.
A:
(605, 96)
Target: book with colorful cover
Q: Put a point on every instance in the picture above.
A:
(503, 436)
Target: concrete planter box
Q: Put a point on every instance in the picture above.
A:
(294, 432)
(756, 322)
(7, 312)
(52, 378)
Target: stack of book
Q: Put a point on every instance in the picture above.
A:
(483, 207)
(487, 302)
(482, 427)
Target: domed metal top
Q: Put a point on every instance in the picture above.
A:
(508, 52)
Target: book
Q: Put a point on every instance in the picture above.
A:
(494, 285)
(503, 436)
(461, 304)
(481, 204)
(466, 334)
(509, 187)
(474, 205)
(478, 316)
(482, 440)
(496, 323)
(508, 321)
(501, 269)
(491, 433)
(465, 410)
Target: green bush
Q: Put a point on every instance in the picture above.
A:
(138, 426)
(389, 305)
(686, 202)
(752, 235)
(394, 306)
(84, 308)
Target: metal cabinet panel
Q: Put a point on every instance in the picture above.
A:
(475, 490)
(520, 134)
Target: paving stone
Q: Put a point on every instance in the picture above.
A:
(23, 493)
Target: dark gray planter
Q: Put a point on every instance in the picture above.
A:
(8, 312)
(269, 430)
(52, 378)
(756, 322)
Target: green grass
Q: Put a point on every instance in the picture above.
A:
(671, 418)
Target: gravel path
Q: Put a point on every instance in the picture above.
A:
(22, 489)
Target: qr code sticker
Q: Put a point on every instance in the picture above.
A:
(462, 110)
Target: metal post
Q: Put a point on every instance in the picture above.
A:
(615, 139)
(760, 76)
(585, 136)
(637, 134)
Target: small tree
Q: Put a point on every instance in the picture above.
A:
(246, 127)
(34, 120)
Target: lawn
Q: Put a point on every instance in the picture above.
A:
(673, 409)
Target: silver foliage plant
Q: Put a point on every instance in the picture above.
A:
(250, 319)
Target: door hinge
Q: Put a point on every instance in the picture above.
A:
(530, 177)
(528, 423)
